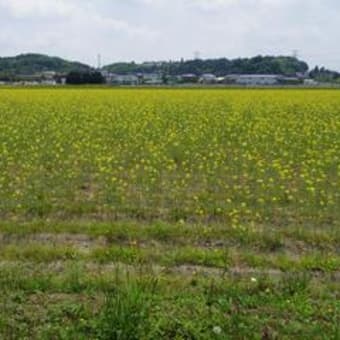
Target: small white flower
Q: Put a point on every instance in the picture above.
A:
(253, 279)
(217, 330)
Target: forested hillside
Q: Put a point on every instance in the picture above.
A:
(26, 64)
(219, 67)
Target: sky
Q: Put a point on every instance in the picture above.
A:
(145, 30)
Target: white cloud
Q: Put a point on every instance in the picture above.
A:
(212, 4)
(169, 29)
(109, 24)
(24, 8)
(71, 25)
(84, 13)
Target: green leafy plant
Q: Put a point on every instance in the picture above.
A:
(125, 314)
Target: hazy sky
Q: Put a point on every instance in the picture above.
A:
(125, 30)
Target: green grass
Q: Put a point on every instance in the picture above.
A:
(174, 281)
(78, 303)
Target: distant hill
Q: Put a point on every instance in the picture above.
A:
(27, 64)
(220, 67)
(30, 64)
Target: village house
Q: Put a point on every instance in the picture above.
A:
(152, 79)
(187, 78)
(257, 79)
(125, 79)
(108, 76)
(310, 82)
(208, 78)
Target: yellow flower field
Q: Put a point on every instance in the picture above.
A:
(257, 156)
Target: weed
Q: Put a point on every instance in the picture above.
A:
(125, 314)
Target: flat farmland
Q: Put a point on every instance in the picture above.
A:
(169, 214)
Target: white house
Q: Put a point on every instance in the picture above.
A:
(152, 79)
(257, 79)
(208, 78)
(109, 77)
(48, 74)
(125, 79)
(49, 82)
(187, 78)
(310, 82)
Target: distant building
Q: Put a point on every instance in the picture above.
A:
(125, 79)
(108, 76)
(152, 79)
(252, 79)
(48, 78)
(257, 79)
(208, 78)
(187, 78)
(220, 80)
(27, 83)
(290, 80)
(310, 82)
(301, 75)
(48, 75)
(49, 82)
(230, 79)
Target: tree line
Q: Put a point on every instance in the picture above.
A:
(17, 68)
(79, 78)
(219, 67)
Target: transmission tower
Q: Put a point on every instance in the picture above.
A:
(99, 61)
(197, 55)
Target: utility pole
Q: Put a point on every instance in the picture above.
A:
(99, 61)
(295, 54)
